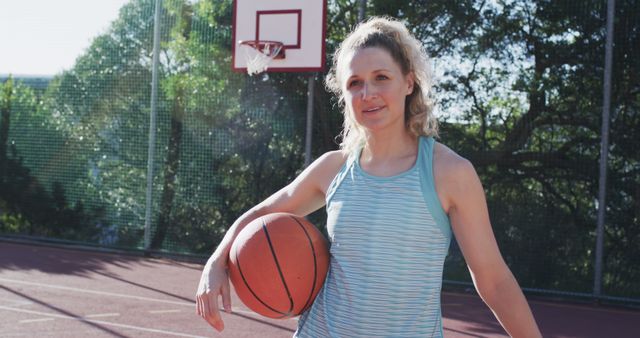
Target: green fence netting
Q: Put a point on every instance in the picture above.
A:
(519, 89)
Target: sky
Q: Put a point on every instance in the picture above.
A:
(44, 37)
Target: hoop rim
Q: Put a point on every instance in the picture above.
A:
(260, 44)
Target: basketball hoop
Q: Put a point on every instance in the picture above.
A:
(267, 51)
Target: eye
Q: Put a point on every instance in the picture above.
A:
(381, 77)
(353, 83)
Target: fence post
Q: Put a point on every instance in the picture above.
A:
(152, 124)
(604, 151)
(310, 99)
(362, 8)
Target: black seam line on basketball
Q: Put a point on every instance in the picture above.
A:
(251, 290)
(315, 264)
(275, 259)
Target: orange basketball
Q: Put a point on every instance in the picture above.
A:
(277, 264)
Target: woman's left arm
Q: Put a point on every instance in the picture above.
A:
(458, 184)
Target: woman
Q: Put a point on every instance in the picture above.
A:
(393, 197)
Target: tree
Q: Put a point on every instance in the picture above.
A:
(178, 78)
(26, 207)
(522, 102)
(519, 94)
(103, 103)
(101, 107)
(5, 111)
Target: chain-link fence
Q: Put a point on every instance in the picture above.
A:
(520, 87)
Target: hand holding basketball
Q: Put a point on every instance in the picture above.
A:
(214, 282)
(278, 264)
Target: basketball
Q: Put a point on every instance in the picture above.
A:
(277, 264)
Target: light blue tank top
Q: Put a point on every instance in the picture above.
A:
(389, 237)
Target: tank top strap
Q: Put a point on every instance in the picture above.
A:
(427, 183)
(346, 169)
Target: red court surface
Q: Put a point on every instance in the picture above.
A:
(57, 292)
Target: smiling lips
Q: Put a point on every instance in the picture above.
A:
(372, 109)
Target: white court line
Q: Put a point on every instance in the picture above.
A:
(27, 321)
(68, 288)
(102, 293)
(98, 315)
(165, 311)
(101, 322)
(14, 302)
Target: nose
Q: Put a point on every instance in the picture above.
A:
(368, 92)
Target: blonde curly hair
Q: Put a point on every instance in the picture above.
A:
(407, 51)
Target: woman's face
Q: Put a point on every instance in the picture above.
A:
(375, 89)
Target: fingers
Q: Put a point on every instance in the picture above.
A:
(214, 282)
(214, 314)
(226, 296)
(207, 308)
(199, 310)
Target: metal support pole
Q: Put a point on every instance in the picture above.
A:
(362, 6)
(152, 124)
(309, 135)
(604, 151)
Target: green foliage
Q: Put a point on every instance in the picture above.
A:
(520, 92)
(519, 88)
(26, 207)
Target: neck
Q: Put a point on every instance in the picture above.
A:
(379, 147)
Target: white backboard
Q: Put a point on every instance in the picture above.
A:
(299, 24)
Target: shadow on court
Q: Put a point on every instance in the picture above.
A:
(51, 292)
(139, 285)
(59, 262)
(62, 312)
(468, 316)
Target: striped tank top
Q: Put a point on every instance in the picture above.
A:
(389, 237)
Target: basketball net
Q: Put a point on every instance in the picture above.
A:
(262, 58)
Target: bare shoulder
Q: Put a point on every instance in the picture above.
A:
(326, 167)
(330, 161)
(453, 174)
(336, 157)
(307, 192)
(450, 163)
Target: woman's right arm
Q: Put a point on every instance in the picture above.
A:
(301, 197)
